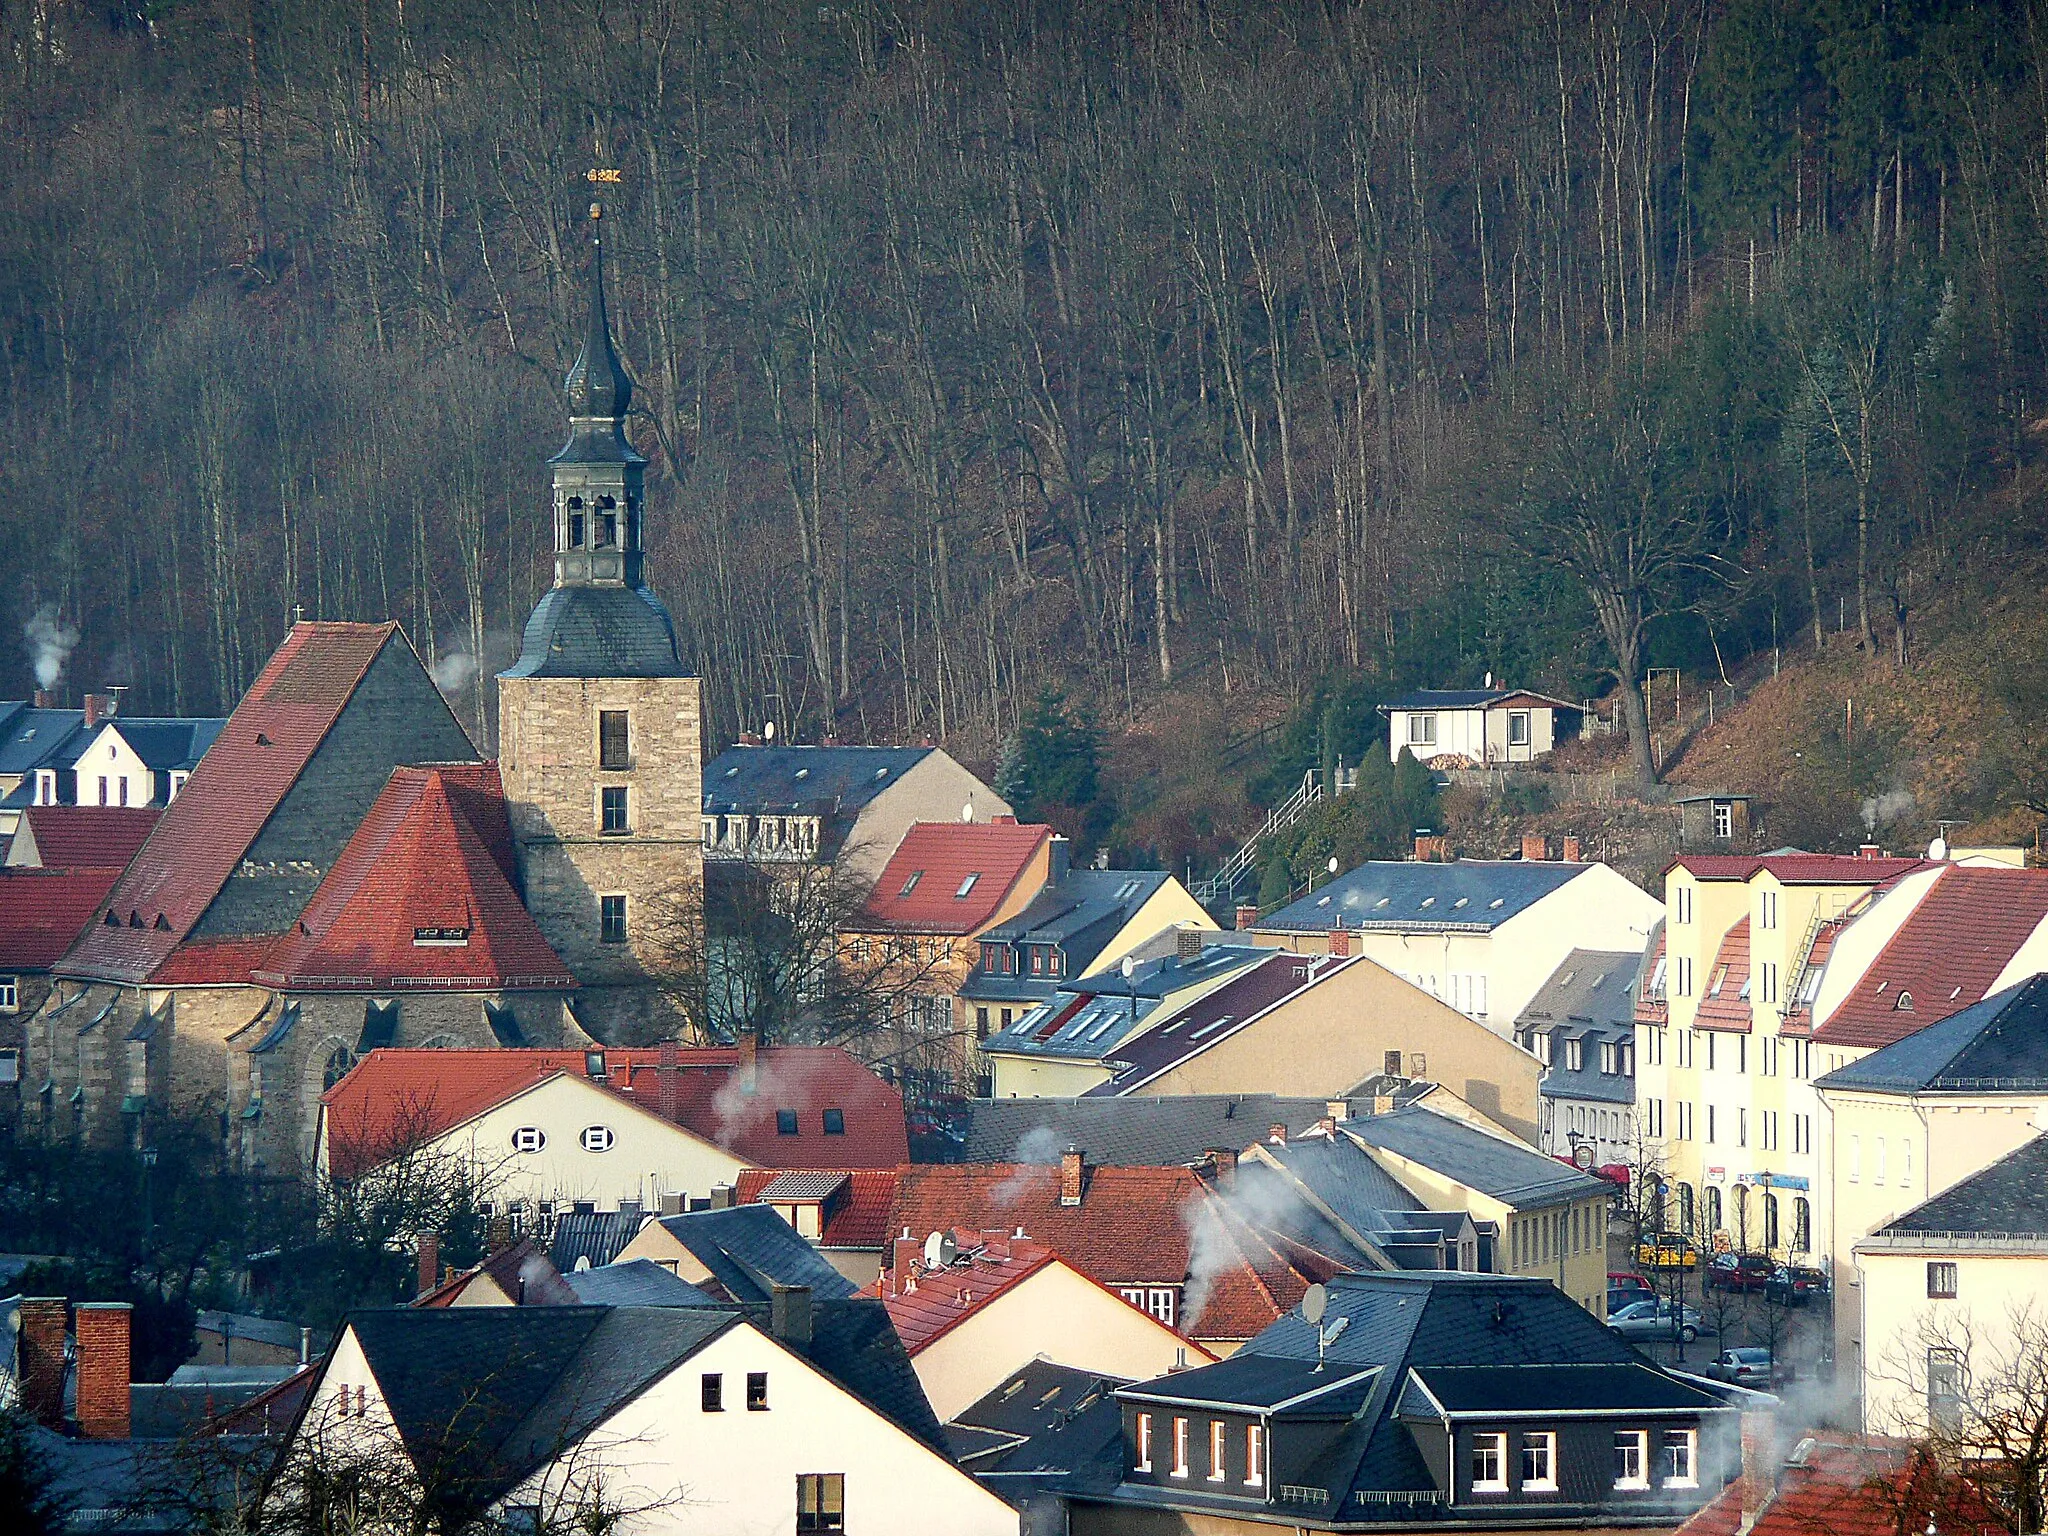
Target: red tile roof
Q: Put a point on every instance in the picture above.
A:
(85, 836)
(1135, 1225)
(856, 1214)
(1853, 1488)
(1795, 868)
(418, 865)
(42, 912)
(394, 1096)
(205, 832)
(921, 888)
(1724, 990)
(1945, 956)
(930, 1306)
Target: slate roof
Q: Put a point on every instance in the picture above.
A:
(1954, 944)
(433, 856)
(43, 911)
(1046, 1428)
(206, 833)
(165, 743)
(1543, 1386)
(1653, 1006)
(1518, 1175)
(749, 1249)
(925, 887)
(635, 1283)
(1469, 698)
(1999, 1045)
(426, 1092)
(1272, 1385)
(856, 1209)
(820, 780)
(853, 1342)
(1344, 1179)
(93, 836)
(580, 631)
(596, 1236)
(32, 738)
(1466, 895)
(1795, 867)
(1090, 1016)
(1216, 1016)
(1080, 915)
(1159, 1131)
(1590, 997)
(521, 1270)
(2008, 1199)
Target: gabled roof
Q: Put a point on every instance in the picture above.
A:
(635, 1283)
(1590, 998)
(1954, 944)
(32, 738)
(421, 898)
(1175, 1129)
(166, 744)
(408, 1093)
(1470, 698)
(522, 1273)
(1080, 900)
(856, 1210)
(1466, 895)
(1999, 1045)
(749, 1250)
(1216, 1016)
(1045, 1425)
(818, 780)
(590, 1237)
(1088, 1018)
(1724, 990)
(93, 836)
(2007, 1200)
(206, 832)
(42, 912)
(932, 1305)
(1517, 1175)
(951, 876)
(1795, 868)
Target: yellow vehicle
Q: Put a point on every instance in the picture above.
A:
(1666, 1250)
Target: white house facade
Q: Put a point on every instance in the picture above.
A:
(1481, 727)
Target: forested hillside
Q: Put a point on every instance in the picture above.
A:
(988, 347)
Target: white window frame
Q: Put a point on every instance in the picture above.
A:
(1217, 1470)
(46, 786)
(1180, 1447)
(1724, 819)
(597, 1138)
(1255, 1456)
(1631, 1447)
(1144, 1458)
(1519, 717)
(529, 1139)
(1543, 1442)
(1489, 1451)
(1421, 728)
(1681, 1458)
(10, 994)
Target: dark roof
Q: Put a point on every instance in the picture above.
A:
(635, 1283)
(853, 1342)
(1216, 1016)
(596, 1236)
(32, 738)
(1274, 1384)
(1130, 1132)
(1090, 1016)
(164, 743)
(1045, 1426)
(1499, 1389)
(827, 780)
(1493, 1165)
(598, 632)
(1475, 894)
(2008, 1199)
(1590, 997)
(1448, 698)
(749, 1249)
(1342, 1177)
(1999, 1045)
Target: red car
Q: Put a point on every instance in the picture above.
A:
(1737, 1272)
(1628, 1280)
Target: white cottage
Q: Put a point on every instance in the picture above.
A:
(1485, 726)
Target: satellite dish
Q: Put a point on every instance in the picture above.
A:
(1315, 1302)
(967, 811)
(1938, 850)
(768, 731)
(1129, 967)
(1333, 864)
(940, 1250)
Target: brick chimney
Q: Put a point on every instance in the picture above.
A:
(668, 1082)
(1224, 1160)
(1431, 848)
(789, 1314)
(1340, 943)
(1338, 1109)
(1247, 917)
(92, 710)
(1073, 1174)
(1535, 847)
(1276, 1133)
(1870, 851)
(105, 1369)
(749, 1045)
(430, 1261)
(903, 1256)
(1187, 944)
(1574, 850)
(750, 738)
(1758, 1480)
(497, 1234)
(45, 699)
(42, 1359)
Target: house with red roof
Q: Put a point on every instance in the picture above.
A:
(946, 883)
(605, 1129)
(78, 836)
(973, 1307)
(1844, 1485)
(844, 1212)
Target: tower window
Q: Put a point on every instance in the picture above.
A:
(611, 919)
(612, 806)
(607, 523)
(614, 740)
(575, 522)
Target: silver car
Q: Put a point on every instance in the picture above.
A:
(1658, 1317)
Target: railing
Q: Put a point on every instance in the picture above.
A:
(1222, 886)
(1790, 995)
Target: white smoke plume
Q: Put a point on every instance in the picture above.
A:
(455, 671)
(50, 643)
(1036, 1148)
(1258, 1197)
(1889, 806)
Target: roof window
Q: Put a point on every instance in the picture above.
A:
(1461, 901)
(1498, 901)
(966, 885)
(881, 773)
(1429, 901)
(1904, 1003)
(785, 1122)
(1127, 890)
(910, 884)
(1381, 903)
(803, 773)
(733, 772)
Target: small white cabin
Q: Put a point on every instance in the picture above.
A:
(1481, 726)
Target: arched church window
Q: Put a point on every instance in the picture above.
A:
(339, 1060)
(607, 522)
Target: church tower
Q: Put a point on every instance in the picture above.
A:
(599, 742)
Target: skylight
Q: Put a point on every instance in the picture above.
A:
(733, 772)
(1429, 901)
(803, 773)
(881, 773)
(966, 886)
(1498, 901)
(1461, 901)
(910, 884)
(1127, 890)
(1382, 902)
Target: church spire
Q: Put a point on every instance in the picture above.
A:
(598, 388)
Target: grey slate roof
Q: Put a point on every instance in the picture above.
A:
(1999, 1045)
(1263, 1382)
(1081, 914)
(578, 631)
(1466, 895)
(596, 1236)
(635, 1283)
(165, 744)
(1090, 1017)
(749, 1249)
(32, 738)
(853, 1342)
(1498, 1389)
(1589, 997)
(1216, 1016)
(1446, 698)
(826, 780)
(1136, 1132)
(1341, 1175)
(1520, 1176)
(2008, 1199)
(1045, 1428)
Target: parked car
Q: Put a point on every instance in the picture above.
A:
(1794, 1285)
(1657, 1317)
(1751, 1368)
(1628, 1280)
(1666, 1250)
(1736, 1272)
(1618, 1299)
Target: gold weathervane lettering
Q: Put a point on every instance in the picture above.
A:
(608, 178)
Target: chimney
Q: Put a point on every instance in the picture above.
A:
(1340, 943)
(1339, 1109)
(749, 1045)
(1247, 917)
(45, 699)
(1574, 851)
(829, 739)
(1535, 847)
(1431, 848)
(1383, 1103)
(789, 1314)
(92, 710)
(42, 1359)
(1327, 1128)
(497, 1234)
(1224, 1160)
(1058, 858)
(1073, 1169)
(721, 1197)
(1002, 821)
(668, 1083)
(1187, 944)
(105, 1369)
(1758, 1467)
(750, 738)
(305, 1346)
(673, 1202)
(903, 1256)
(1870, 851)
(430, 1261)
(1276, 1133)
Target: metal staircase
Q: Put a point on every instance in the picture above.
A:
(1221, 887)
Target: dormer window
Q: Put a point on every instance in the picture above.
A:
(46, 786)
(1681, 1458)
(1904, 1002)
(1631, 1458)
(443, 937)
(1490, 1463)
(1539, 1462)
